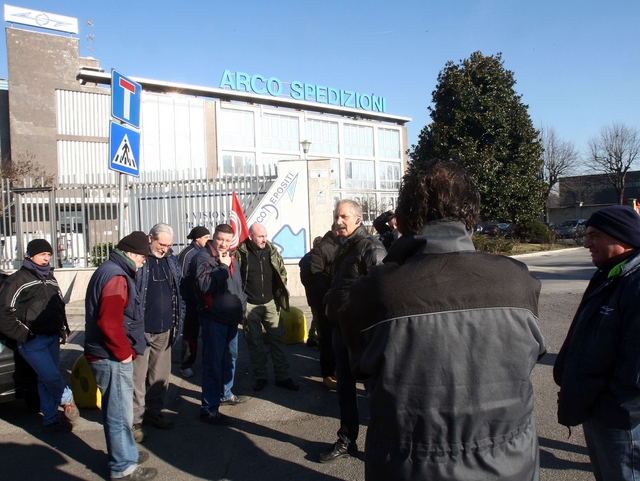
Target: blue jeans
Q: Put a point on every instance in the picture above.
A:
(219, 354)
(115, 380)
(347, 391)
(43, 354)
(614, 453)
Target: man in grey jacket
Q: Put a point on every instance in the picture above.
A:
(448, 337)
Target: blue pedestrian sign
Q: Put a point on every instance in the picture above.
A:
(126, 98)
(124, 148)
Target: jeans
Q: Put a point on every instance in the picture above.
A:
(43, 354)
(347, 391)
(115, 380)
(219, 354)
(614, 453)
(267, 316)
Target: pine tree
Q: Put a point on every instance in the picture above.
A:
(479, 121)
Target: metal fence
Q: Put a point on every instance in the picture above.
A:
(81, 220)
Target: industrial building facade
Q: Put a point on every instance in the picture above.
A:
(59, 112)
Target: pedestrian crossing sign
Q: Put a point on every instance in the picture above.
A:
(124, 148)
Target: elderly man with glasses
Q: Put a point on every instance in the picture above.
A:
(163, 310)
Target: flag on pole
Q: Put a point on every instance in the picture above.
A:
(238, 223)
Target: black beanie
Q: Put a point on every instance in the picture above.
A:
(37, 246)
(137, 243)
(198, 232)
(620, 222)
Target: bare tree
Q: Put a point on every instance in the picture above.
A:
(612, 152)
(25, 166)
(560, 158)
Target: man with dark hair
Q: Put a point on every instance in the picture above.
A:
(448, 337)
(598, 365)
(199, 236)
(221, 304)
(114, 337)
(314, 301)
(359, 251)
(264, 281)
(158, 282)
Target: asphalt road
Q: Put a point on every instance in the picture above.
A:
(278, 434)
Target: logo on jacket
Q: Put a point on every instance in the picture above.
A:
(605, 310)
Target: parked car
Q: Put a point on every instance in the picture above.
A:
(572, 228)
(500, 229)
(18, 380)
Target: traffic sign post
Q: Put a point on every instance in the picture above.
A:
(124, 141)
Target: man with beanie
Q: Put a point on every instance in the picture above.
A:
(158, 282)
(199, 236)
(598, 365)
(114, 337)
(32, 314)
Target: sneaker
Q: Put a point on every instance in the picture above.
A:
(234, 400)
(338, 450)
(140, 474)
(288, 384)
(259, 384)
(71, 411)
(187, 372)
(138, 433)
(157, 421)
(143, 456)
(59, 425)
(330, 383)
(217, 419)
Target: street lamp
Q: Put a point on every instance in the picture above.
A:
(305, 147)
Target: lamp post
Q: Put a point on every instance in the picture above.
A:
(305, 144)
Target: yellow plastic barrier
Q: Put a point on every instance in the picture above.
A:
(295, 325)
(85, 390)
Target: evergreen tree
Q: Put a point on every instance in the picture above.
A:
(479, 121)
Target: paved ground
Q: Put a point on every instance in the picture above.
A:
(278, 434)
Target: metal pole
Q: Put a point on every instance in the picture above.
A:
(121, 233)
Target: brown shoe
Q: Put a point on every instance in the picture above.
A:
(330, 383)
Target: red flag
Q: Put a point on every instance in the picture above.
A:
(238, 223)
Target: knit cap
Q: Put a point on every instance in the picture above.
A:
(137, 243)
(37, 246)
(198, 232)
(620, 222)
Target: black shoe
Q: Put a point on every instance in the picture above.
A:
(288, 384)
(259, 384)
(217, 419)
(312, 343)
(234, 400)
(338, 450)
(140, 474)
(143, 456)
(157, 421)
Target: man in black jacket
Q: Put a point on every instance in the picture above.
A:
(448, 337)
(358, 252)
(598, 365)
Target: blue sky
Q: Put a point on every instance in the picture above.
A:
(576, 62)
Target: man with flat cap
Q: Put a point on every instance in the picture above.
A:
(114, 337)
(598, 366)
(199, 236)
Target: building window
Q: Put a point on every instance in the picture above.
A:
(389, 143)
(280, 132)
(358, 140)
(323, 136)
(236, 128)
(390, 175)
(238, 163)
(335, 173)
(359, 174)
(388, 203)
